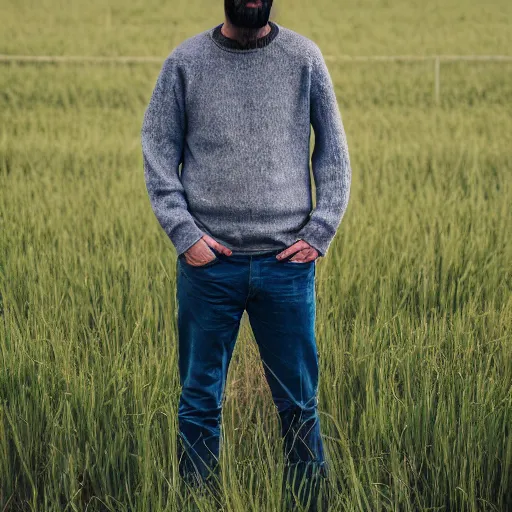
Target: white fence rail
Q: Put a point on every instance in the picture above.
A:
(436, 59)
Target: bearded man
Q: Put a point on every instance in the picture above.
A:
(234, 106)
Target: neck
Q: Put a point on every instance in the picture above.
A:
(243, 35)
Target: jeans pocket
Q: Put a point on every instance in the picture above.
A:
(208, 264)
(298, 263)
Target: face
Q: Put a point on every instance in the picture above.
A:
(248, 13)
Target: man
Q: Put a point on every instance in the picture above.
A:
(234, 105)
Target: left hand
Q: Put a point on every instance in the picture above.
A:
(302, 252)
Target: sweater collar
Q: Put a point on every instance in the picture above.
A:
(233, 44)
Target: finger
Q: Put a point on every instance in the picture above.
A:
(211, 242)
(290, 250)
(223, 249)
(220, 248)
(300, 257)
(306, 255)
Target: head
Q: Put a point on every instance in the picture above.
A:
(242, 16)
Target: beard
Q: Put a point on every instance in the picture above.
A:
(247, 17)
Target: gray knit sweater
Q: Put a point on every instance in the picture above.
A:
(238, 121)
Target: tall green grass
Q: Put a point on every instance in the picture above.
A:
(414, 303)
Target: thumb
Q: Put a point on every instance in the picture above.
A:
(218, 247)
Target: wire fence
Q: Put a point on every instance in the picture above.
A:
(435, 59)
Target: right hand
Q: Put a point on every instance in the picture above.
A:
(200, 253)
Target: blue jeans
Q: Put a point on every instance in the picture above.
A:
(279, 297)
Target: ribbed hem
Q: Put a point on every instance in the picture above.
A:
(233, 45)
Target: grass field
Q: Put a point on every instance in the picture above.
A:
(414, 302)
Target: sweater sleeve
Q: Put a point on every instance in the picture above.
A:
(163, 135)
(330, 159)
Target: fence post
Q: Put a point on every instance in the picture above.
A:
(437, 78)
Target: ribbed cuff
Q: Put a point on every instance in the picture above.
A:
(316, 235)
(186, 238)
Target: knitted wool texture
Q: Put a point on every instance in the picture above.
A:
(226, 144)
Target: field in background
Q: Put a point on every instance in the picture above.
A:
(414, 303)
